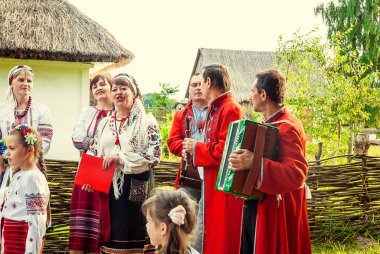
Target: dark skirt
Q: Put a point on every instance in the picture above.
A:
(89, 220)
(128, 224)
(14, 233)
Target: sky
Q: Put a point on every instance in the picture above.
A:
(165, 35)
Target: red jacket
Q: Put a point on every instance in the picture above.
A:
(178, 133)
(282, 225)
(222, 212)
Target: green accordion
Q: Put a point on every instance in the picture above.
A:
(261, 139)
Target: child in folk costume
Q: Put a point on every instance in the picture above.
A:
(6, 174)
(171, 221)
(25, 210)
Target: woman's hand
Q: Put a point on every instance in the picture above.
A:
(109, 160)
(87, 187)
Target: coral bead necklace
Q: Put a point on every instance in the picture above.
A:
(23, 113)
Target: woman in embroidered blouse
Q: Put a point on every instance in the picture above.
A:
(85, 129)
(20, 109)
(25, 211)
(130, 139)
(85, 219)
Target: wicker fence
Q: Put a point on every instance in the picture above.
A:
(346, 198)
(60, 176)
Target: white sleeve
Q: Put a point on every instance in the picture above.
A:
(37, 199)
(136, 163)
(96, 148)
(79, 137)
(45, 128)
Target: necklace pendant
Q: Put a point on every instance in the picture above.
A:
(116, 141)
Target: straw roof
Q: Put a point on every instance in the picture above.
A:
(55, 30)
(243, 66)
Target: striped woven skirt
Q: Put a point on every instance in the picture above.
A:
(14, 233)
(89, 220)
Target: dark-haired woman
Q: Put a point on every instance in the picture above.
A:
(85, 208)
(129, 138)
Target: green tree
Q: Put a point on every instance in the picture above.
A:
(160, 103)
(362, 19)
(162, 99)
(327, 89)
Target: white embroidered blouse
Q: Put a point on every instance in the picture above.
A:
(27, 200)
(135, 155)
(86, 126)
(38, 116)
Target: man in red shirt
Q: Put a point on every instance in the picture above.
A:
(278, 224)
(195, 111)
(222, 212)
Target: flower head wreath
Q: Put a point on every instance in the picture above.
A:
(3, 148)
(28, 134)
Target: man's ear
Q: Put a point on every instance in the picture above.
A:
(208, 82)
(263, 95)
(163, 229)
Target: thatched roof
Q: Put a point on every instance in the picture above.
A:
(55, 30)
(243, 66)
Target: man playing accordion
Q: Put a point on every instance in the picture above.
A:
(278, 224)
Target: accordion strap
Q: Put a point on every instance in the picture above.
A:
(258, 153)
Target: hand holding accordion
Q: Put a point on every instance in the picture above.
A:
(261, 139)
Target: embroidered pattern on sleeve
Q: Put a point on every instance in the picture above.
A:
(36, 203)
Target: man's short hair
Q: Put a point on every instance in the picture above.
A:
(273, 83)
(219, 76)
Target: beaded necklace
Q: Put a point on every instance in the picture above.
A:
(113, 127)
(22, 114)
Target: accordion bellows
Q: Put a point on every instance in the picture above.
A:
(261, 139)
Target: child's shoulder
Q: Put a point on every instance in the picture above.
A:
(33, 175)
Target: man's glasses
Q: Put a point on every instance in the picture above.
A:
(194, 85)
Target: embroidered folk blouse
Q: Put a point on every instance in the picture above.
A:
(27, 200)
(38, 116)
(85, 128)
(130, 161)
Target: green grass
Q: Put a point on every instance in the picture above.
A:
(339, 248)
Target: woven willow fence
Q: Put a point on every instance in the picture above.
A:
(346, 198)
(61, 175)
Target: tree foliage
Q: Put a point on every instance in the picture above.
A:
(159, 104)
(162, 99)
(328, 89)
(362, 19)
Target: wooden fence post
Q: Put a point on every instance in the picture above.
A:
(319, 154)
(365, 197)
